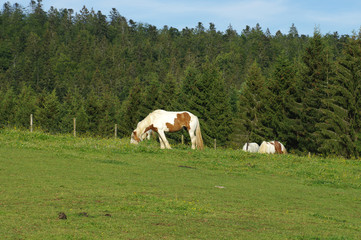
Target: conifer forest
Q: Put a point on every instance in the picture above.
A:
(245, 85)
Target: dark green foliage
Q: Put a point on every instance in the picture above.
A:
(25, 105)
(169, 94)
(73, 107)
(255, 115)
(205, 95)
(130, 111)
(47, 115)
(314, 84)
(285, 119)
(7, 106)
(247, 86)
(341, 124)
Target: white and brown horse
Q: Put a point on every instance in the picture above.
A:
(250, 147)
(272, 147)
(161, 121)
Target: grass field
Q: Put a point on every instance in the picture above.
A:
(109, 189)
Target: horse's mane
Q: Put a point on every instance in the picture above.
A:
(142, 125)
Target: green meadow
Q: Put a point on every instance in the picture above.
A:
(61, 187)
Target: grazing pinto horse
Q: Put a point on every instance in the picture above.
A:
(272, 147)
(161, 121)
(251, 147)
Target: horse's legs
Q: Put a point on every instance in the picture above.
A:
(161, 143)
(165, 141)
(193, 139)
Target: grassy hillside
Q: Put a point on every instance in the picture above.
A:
(109, 189)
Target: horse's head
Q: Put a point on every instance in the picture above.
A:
(135, 138)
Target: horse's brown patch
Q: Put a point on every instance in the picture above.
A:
(151, 127)
(278, 147)
(182, 120)
(136, 138)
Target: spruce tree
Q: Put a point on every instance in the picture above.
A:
(73, 107)
(93, 111)
(7, 107)
(208, 99)
(314, 83)
(109, 111)
(283, 104)
(151, 95)
(25, 105)
(168, 95)
(130, 113)
(187, 95)
(254, 113)
(47, 115)
(341, 121)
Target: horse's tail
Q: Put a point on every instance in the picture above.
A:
(199, 139)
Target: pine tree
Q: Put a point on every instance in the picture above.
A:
(47, 115)
(151, 95)
(73, 107)
(188, 88)
(93, 111)
(315, 86)
(209, 100)
(168, 94)
(341, 125)
(130, 113)
(109, 111)
(32, 69)
(283, 103)
(7, 107)
(254, 112)
(25, 105)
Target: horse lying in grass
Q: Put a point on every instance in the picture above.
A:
(251, 147)
(161, 121)
(272, 147)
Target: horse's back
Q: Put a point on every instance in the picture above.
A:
(161, 112)
(266, 147)
(272, 147)
(172, 115)
(263, 147)
(251, 147)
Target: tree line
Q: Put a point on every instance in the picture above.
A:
(245, 87)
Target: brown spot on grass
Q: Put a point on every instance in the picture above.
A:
(62, 216)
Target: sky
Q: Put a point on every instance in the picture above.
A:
(328, 16)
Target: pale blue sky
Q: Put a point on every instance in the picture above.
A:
(327, 15)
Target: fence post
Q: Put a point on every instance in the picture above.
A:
(215, 143)
(182, 139)
(31, 122)
(74, 123)
(115, 130)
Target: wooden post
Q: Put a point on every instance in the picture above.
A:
(31, 122)
(74, 123)
(182, 139)
(115, 130)
(215, 143)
